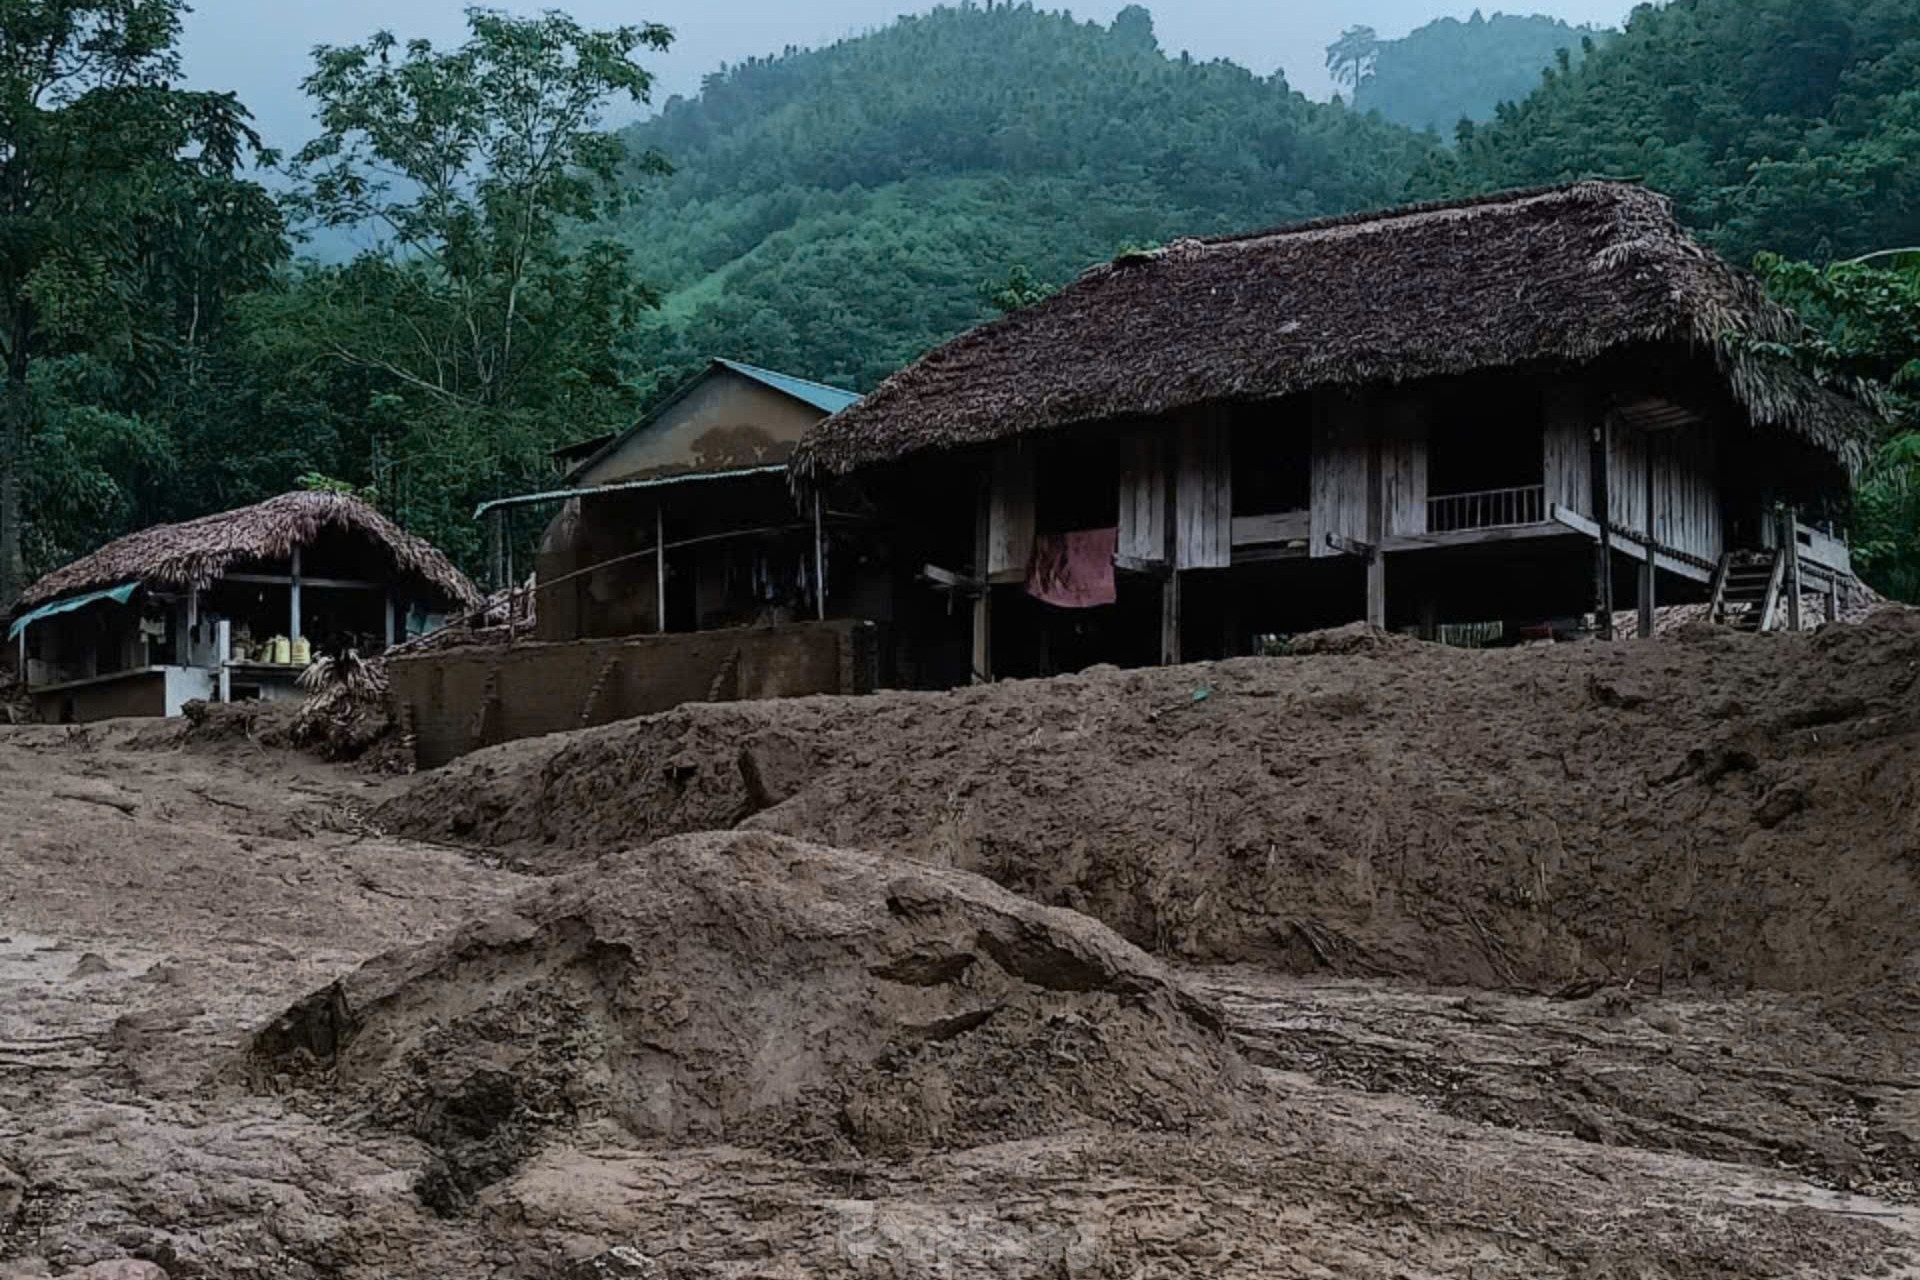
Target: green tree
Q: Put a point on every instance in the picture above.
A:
(488, 315)
(123, 221)
(1351, 58)
(1863, 319)
(1021, 289)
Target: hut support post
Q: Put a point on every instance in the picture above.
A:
(1170, 619)
(393, 620)
(1648, 571)
(498, 566)
(659, 568)
(1790, 540)
(1376, 529)
(20, 672)
(819, 559)
(222, 655)
(293, 600)
(1170, 585)
(1603, 516)
(983, 602)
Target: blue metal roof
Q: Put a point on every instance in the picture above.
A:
(818, 394)
(119, 595)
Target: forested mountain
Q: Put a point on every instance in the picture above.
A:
(838, 211)
(1450, 70)
(1784, 125)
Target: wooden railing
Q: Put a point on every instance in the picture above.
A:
(1488, 509)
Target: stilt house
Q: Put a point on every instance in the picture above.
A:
(229, 605)
(1508, 409)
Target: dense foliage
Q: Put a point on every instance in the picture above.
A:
(1789, 126)
(836, 212)
(1450, 70)
(124, 229)
(1864, 322)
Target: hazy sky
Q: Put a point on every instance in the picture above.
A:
(259, 48)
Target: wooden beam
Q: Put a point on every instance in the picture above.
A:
(1471, 537)
(1632, 548)
(1346, 546)
(286, 580)
(950, 580)
(1262, 531)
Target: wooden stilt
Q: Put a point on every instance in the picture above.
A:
(983, 602)
(1790, 541)
(660, 568)
(294, 619)
(1170, 619)
(819, 559)
(1649, 574)
(1376, 527)
(498, 560)
(1603, 516)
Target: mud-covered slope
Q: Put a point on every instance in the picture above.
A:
(754, 990)
(1711, 808)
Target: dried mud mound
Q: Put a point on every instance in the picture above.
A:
(1713, 808)
(756, 991)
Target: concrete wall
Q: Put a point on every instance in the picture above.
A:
(111, 698)
(465, 699)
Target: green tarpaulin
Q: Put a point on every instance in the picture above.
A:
(119, 595)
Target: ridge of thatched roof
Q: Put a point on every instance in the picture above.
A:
(1560, 275)
(196, 553)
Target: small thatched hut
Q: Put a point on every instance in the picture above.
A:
(1481, 410)
(228, 604)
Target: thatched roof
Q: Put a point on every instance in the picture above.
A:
(1556, 276)
(198, 552)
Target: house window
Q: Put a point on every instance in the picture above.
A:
(1272, 458)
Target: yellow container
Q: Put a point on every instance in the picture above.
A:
(281, 653)
(302, 651)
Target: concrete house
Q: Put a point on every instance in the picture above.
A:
(227, 605)
(1511, 409)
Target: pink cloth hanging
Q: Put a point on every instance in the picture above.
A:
(1074, 570)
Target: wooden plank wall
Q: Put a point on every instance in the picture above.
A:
(1627, 477)
(1203, 491)
(1143, 496)
(1404, 466)
(1340, 450)
(1686, 492)
(1568, 437)
(1010, 513)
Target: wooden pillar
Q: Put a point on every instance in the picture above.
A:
(223, 654)
(1649, 571)
(1603, 516)
(660, 567)
(393, 620)
(983, 601)
(497, 567)
(20, 672)
(819, 559)
(1790, 539)
(1170, 619)
(1376, 524)
(293, 600)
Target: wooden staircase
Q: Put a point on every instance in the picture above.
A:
(1747, 588)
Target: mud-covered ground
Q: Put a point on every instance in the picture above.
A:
(160, 903)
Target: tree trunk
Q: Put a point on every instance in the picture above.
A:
(14, 410)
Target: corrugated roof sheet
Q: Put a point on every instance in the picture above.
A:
(818, 394)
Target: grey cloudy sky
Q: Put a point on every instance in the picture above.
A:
(259, 48)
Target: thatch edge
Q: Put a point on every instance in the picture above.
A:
(196, 553)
